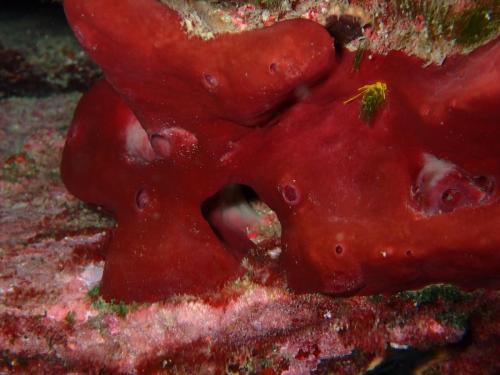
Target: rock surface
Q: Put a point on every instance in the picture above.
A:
(38, 53)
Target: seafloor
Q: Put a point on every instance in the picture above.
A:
(52, 319)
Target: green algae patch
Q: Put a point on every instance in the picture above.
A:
(373, 97)
(269, 4)
(70, 318)
(476, 26)
(432, 293)
(469, 27)
(358, 57)
(18, 167)
(119, 308)
(455, 319)
(435, 14)
(94, 292)
(445, 27)
(376, 298)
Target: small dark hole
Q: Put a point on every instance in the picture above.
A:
(233, 367)
(409, 253)
(339, 249)
(210, 80)
(451, 197)
(291, 194)
(484, 183)
(142, 199)
(273, 68)
(480, 180)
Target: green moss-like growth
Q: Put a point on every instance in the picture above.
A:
(476, 25)
(18, 167)
(358, 57)
(266, 4)
(270, 4)
(70, 318)
(120, 308)
(373, 97)
(372, 101)
(432, 293)
(434, 12)
(455, 319)
(376, 298)
(94, 292)
(469, 27)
